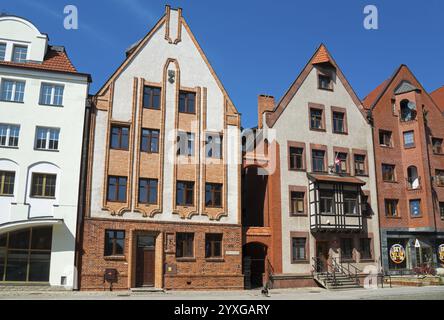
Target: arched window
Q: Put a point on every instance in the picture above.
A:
(413, 181)
(408, 110)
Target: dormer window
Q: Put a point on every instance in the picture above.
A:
(19, 54)
(2, 51)
(325, 82)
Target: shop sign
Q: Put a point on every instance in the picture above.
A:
(397, 253)
(441, 252)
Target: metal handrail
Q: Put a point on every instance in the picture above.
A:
(329, 276)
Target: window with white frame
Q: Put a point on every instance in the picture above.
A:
(9, 135)
(2, 51)
(12, 90)
(19, 53)
(47, 138)
(51, 94)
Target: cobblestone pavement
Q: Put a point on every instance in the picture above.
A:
(395, 293)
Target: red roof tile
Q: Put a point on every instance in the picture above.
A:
(330, 178)
(55, 60)
(322, 56)
(372, 96)
(438, 97)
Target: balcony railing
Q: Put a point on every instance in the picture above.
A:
(413, 183)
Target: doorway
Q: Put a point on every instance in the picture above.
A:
(322, 254)
(145, 260)
(255, 255)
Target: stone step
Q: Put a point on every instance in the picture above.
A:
(146, 289)
(32, 288)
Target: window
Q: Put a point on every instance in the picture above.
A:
(117, 189)
(437, 145)
(213, 195)
(318, 160)
(43, 185)
(441, 210)
(29, 255)
(409, 139)
(185, 193)
(297, 200)
(185, 245)
(213, 146)
(365, 248)
(388, 173)
(119, 137)
(324, 82)
(298, 246)
(213, 245)
(408, 110)
(47, 138)
(114, 243)
(185, 143)
(7, 179)
(346, 249)
(385, 138)
(9, 135)
(148, 191)
(316, 119)
(439, 178)
(19, 53)
(51, 94)
(326, 202)
(350, 203)
(341, 162)
(415, 208)
(360, 165)
(391, 207)
(150, 141)
(12, 90)
(187, 101)
(296, 158)
(338, 122)
(2, 51)
(151, 97)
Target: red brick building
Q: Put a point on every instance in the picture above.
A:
(408, 137)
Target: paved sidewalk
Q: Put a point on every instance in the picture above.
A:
(396, 293)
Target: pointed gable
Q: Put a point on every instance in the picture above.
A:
(321, 56)
(438, 97)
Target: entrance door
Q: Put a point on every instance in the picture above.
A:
(322, 249)
(145, 261)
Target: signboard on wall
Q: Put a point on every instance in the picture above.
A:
(397, 253)
(441, 253)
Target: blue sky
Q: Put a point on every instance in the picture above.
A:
(257, 46)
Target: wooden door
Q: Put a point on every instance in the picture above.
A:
(145, 265)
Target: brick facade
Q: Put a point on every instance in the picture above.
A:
(190, 274)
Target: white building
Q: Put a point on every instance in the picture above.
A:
(42, 110)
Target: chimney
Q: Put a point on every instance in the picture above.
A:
(264, 104)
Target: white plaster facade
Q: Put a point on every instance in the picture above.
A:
(21, 211)
(294, 125)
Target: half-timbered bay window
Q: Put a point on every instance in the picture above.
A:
(350, 203)
(326, 201)
(184, 245)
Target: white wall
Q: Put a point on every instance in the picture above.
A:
(293, 125)
(25, 160)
